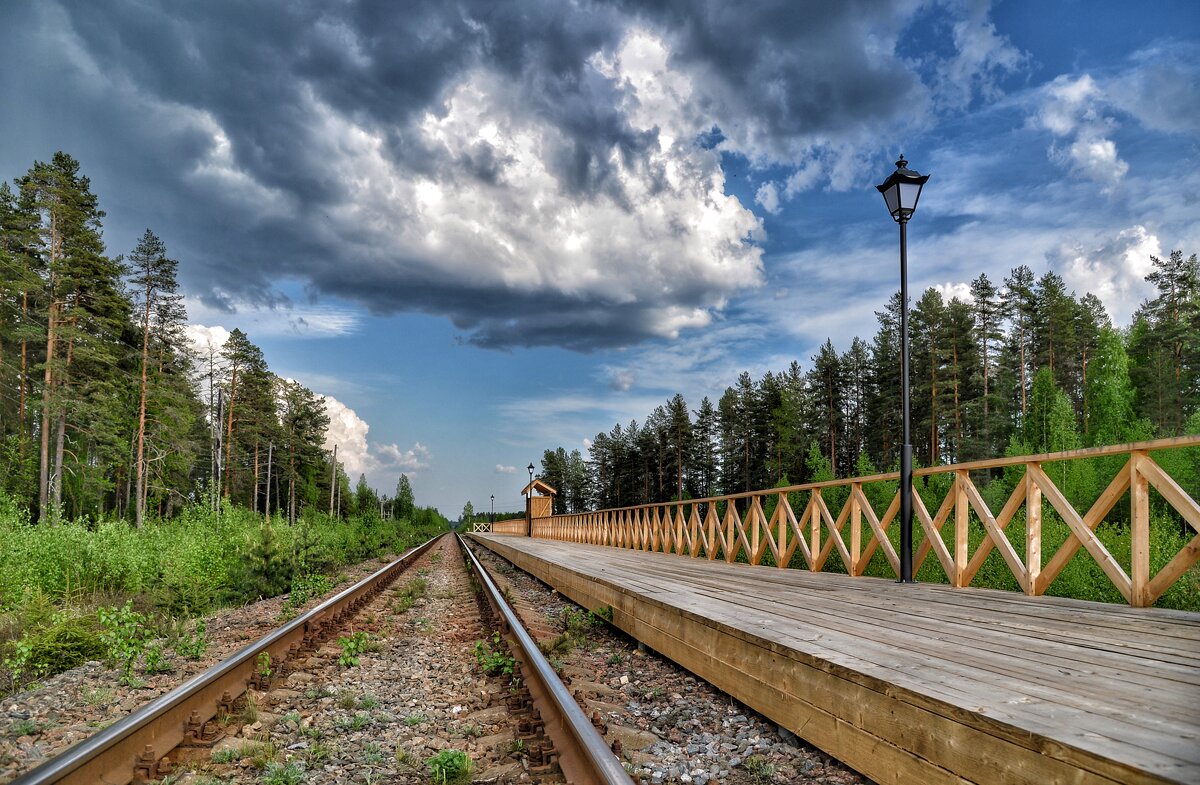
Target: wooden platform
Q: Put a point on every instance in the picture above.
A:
(912, 684)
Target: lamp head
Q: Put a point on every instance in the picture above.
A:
(902, 190)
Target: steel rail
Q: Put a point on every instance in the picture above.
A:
(584, 756)
(132, 746)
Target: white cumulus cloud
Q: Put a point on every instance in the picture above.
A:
(1114, 270)
(380, 462)
(1074, 109)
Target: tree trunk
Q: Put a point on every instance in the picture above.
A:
(24, 372)
(47, 388)
(229, 433)
(57, 475)
(139, 459)
(254, 499)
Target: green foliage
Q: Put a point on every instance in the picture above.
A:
(353, 646)
(357, 721)
(190, 564)
(449, 767)
(306, 587)
(493, 658)
(262, 665)
(125, 636)
(49, 639)
(267, 565)
(406, 597)
(194, 644)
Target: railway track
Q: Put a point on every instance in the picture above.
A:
(557, 740)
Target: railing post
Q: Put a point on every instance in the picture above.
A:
(756, 533)
(814, 531)
(962, 512)
(855, 530)
(1033, 534)
(1139, 524)
(781, 508)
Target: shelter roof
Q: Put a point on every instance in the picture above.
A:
(542, 488)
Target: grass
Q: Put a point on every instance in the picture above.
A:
(55, 579)
(449, 767)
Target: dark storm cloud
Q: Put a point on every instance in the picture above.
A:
(212, 123)
(791, 71)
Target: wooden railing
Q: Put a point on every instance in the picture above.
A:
(510, 526)
(739, 526)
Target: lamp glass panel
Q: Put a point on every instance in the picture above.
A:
(909, 193)
(892, 197)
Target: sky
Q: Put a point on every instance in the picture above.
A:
(485, 229)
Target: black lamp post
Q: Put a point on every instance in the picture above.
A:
(529, 499)
(901, 191)
(492, 518)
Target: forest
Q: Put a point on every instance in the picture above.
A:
(106, 409)
(1021, 366)
(136, 469)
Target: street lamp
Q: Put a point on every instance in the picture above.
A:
(492, 519)
(529, 500)
(901, 191)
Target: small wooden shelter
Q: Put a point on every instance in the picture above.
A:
(542, 505)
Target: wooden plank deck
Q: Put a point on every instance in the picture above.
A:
(912, 684)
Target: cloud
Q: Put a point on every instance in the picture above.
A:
(278, 317)
(392, 457)
(950, 289)
(538, 175)
(620, 380)
(380, 462)
(1161, 88)
(1114, 270)
(206, 340)
(1074, 108)
(982, 57)
(768, 197)
(503, 469)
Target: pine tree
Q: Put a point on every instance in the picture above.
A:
(1166, 346)
(705, 450)
(1019, 307)
(928, 383)
(84, 313)
(963, 374)
(988, 314)
(679, 441)
(1090, 321)
(162, 315)
(249, 405)
(792, 424)
(826, 390)
(856, 367)
(302, 421)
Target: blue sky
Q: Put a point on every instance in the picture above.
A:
(484, 230)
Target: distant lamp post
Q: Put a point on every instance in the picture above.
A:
(901, 191)
(529, 500)
(492, 518)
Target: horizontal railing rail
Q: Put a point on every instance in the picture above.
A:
(753, 524)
